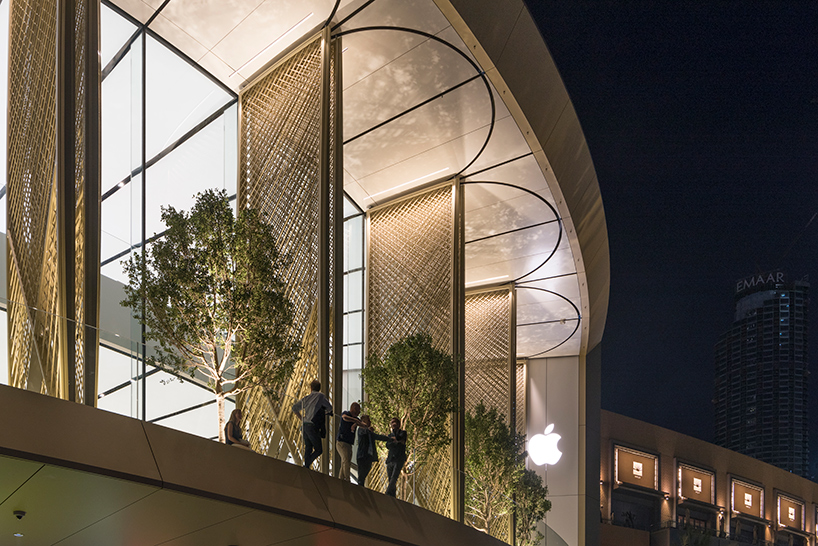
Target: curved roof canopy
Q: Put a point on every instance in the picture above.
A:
(418, 108)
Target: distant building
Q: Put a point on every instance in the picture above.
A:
(658, 487)
(761, 373)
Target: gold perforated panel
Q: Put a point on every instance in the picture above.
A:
(410, 290)
(36, 336)
(280, 161)
(79, 197)
(488, 370)
(488, 346)
(521, 400)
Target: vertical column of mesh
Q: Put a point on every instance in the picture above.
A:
(410, 290)
(280, 131)
(80, 24)
(35, 340)
(487, 353)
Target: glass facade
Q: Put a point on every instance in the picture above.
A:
(169, 131)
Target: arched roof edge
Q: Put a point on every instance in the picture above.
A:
(506, 42)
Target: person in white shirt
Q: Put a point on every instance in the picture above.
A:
(307, 409)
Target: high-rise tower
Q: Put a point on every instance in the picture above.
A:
(761, 373)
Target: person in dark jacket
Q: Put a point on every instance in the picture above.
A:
(396, 457)
(367, 455)
(346, 437)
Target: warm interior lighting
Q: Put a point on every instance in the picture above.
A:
(487, 280)
(410, 182)
(263, 51)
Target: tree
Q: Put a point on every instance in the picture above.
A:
(531, 504)
(417, 383)
(495, 462)
(210, 293)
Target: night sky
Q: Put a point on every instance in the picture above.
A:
(702, 121)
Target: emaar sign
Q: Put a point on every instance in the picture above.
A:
(760, 280)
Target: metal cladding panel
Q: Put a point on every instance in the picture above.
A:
(410, 271)
(36, 335)
(279, 173)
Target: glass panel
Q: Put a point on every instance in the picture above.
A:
(167, 394)
(350, 209)
(231, 150)
(354, 357)
(114, 32)
(354, 327)
(193, 167)
(200, 421)
(118, 132)
(178, 97)
(354, 292)
(353, 243)
(120, 221)
(118, 402)
(114, 369)
(352, 387)
(4, 83)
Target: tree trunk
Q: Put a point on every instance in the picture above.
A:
(220, 411)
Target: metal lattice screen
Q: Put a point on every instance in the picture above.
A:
(49, 258)
(521, 397)
(488, 372)
(411, 245)
(488, 350)
(280, 158)
(36, 335)
(80, 315)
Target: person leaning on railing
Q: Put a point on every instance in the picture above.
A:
(314, 405)
(367, 455)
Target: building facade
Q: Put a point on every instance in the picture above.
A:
(659, 487)
(420, 160)
(761, 385)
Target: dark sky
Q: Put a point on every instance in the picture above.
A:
(702, 121)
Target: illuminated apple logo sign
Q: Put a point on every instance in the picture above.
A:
(542, 448)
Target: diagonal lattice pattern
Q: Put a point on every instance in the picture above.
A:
(488, 348)
(36, 336)
(487, 359)
(411, 246)
(80, 258)
(280, 161)
(521, 397)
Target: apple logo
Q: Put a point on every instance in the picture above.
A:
(542, 448)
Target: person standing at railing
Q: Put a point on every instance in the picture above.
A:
(346, 437)
(366, 455)
(313, 407)
(396, 458)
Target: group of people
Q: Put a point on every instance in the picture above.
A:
(312, 411)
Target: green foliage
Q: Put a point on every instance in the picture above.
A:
(497, 482)
(495, 462)
(417, 383)
(531, 504)
(214, 299)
